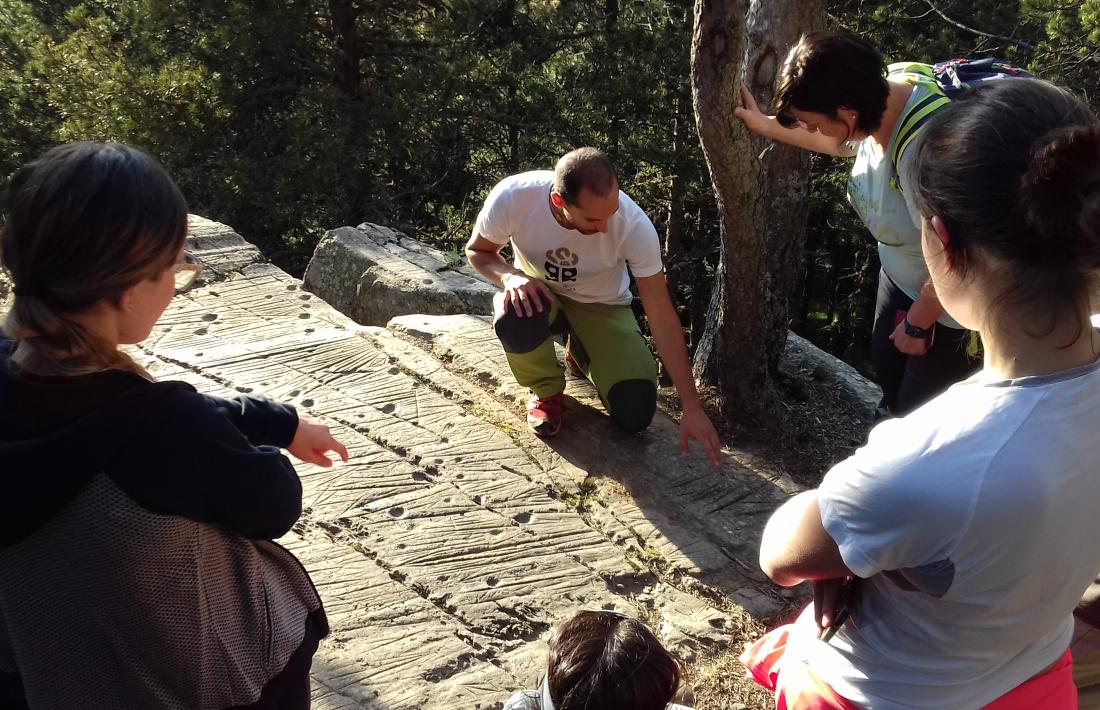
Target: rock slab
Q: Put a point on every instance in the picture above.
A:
(453, 540)
(373, 273)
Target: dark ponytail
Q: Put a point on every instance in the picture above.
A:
(1013, 170)
(1060, 195)
(85, 222)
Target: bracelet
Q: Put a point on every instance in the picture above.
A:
(914, 331)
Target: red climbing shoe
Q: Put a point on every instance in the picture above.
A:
(544, 415)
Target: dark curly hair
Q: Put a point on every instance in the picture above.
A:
(825, 71)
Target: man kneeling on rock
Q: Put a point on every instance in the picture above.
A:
(574, 233)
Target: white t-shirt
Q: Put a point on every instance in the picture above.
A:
(590, 268)
(975, 520)
(889, 213)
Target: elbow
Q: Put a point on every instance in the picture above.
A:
(779, 557)
(274, 512)
(779, 571)
(475, 257)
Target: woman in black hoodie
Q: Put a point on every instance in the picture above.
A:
(136, 562)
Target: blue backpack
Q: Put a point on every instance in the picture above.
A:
(948, 80)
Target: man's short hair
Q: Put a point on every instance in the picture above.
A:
(581, 168)
(827, 70)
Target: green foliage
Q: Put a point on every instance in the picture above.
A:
(1055, 40)
(284, 118)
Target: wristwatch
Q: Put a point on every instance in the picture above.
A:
(914, 331)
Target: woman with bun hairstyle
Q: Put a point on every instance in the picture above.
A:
(970, 525)
(136, 562)
(836, 95)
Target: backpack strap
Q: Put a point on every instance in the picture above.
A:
(913, 118)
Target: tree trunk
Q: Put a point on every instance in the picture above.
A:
(774, 27)
(761, 199)
(344, 14)
(610, 14)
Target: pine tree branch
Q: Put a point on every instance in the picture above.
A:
(1030, 47)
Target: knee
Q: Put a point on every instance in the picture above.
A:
(632, 404)
(521, 335)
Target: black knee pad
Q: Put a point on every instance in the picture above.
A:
(522, 335)
(632, 404)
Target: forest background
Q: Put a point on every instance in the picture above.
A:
(285, 118)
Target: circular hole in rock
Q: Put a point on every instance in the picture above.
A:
(293, 393)
(269, 296)
(443, 440)
(309, 330)
(209, 317)
(394, 370)
(718, 623)
(389, 408)
(305, 296)
(446, 500)
(307, 402)
(201, 331)
(495, 531)
(292, 287)
(460, 476)
(198, 354)
(437, 461)
(522, 518)
(303, 316)
(396, 511)
(419, 476)
(401, 546)
(492, 581)
(244, 390)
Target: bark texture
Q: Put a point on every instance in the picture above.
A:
(761, 191)
(344, 15)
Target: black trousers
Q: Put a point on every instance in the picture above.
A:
(909, 381)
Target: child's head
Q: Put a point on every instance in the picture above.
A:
(602, 660)
(86, 222)
(1008, 180)
(828, 71)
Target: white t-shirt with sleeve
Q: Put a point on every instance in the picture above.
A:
(975, 521)
(590, 268)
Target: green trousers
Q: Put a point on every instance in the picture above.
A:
(605, 342)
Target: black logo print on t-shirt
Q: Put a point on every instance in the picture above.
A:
(561, 265)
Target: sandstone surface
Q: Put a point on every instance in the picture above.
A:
(373, 273)
(453, 540)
